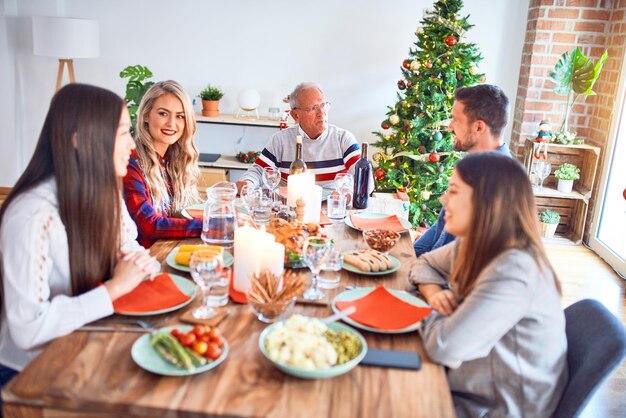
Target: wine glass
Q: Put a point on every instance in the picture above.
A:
(542, 169)
(206, 269)
(271, 179)
(314, 254)
(249, 193)
(344, 183)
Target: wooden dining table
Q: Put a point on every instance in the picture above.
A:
(92, 374)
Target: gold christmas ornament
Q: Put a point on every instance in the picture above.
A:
(473, 70)
(425, 195)
(394, 119)
(415, 65)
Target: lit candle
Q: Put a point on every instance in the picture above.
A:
(313, 200)
(245, 257)
(297, 185)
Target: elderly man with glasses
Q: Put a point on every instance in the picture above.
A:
(326, 149)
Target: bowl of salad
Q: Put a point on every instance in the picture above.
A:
(307, 348)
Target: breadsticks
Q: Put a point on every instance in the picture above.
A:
(368, 260)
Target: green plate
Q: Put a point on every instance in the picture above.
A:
(320, 373)
(184, 285)
(228, 260)
(363, 291)
(147, 358)
(370, 215)
(394, 261)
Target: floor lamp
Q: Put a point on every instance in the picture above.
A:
(65, 38)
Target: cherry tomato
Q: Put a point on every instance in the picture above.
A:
(204, 338)
(200, 347)
(175, 333)
(214, 333)
(213, 351)
(188, 339)
(218, 340)
(199, 330)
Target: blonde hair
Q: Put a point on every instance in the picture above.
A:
(504, 217)
(183, 155)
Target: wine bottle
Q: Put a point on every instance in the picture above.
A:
(362, 172)
(298, 165)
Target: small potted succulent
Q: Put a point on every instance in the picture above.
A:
(211, 96)
(566, 174)
(549, 221)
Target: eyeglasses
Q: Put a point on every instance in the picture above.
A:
(322, 106)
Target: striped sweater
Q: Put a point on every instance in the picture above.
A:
(335, 151)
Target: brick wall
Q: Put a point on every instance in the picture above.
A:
(554, 27)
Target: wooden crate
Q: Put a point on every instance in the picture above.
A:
(584, 157)
(573, 213)
(208, 177)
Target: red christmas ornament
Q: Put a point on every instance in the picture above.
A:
(380, 174)
(401, 84)
(402, 141)
(409, 84)
(428, 65)
(433, 157)
(451, 40)
(384, 125)
(483, 79)
(406, 64)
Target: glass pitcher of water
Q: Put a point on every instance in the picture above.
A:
(220, 220)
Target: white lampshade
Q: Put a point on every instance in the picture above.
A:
(64, 37)
(248, 99)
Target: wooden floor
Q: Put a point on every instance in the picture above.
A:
(585, 275)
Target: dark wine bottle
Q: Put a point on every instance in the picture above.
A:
(298, 165)
(362, 173)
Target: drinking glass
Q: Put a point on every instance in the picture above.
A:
(314, 254)
(344, 183)
(331, 275)
(336, 207)
(262, 207)
(543, 171)
(207, 271)
(248, 194)
(271, 179)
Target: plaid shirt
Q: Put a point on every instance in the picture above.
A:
(152, 226)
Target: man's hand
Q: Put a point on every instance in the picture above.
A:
(240, 184)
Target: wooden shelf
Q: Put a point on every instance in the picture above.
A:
(227, 162)
(571, 206)
(229, 119)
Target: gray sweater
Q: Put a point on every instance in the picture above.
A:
(504, 345)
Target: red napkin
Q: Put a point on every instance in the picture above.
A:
(382, 310)
(151, 295)
(391, 223)
(196, 213)
(235, 296)
(324, 219)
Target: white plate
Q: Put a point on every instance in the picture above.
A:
(200, 206)
(185, 286)
(350, 267)
(318, 373)
(370, 215)
(147, 358)
(362, 291)
(228, 260)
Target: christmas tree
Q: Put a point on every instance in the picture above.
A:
(416, 148)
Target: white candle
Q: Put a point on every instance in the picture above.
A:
(313, 201)
(245, 257)
(274, 258)
(297, 185)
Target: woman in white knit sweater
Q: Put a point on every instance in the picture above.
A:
(64, 228)
(498, 325)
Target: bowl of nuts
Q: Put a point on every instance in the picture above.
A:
(271, 297)
(381, 240)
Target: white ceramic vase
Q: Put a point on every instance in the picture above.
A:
(565, 186)
(548, 230)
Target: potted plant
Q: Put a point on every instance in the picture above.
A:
(211, 96)
(566, 174)
(549, 221)
(137, 85)
(573, 75)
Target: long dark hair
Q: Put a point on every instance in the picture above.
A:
(75, 147)
(504, 217)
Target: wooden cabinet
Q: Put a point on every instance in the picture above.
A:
(208, 177)
(571, 206)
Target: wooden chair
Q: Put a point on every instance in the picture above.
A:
(596, 345)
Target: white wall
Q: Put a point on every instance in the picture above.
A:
(353, 49)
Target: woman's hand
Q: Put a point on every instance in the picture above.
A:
(129, 271)
(443, 301)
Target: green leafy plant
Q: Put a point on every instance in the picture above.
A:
(549, 217)
(563, 137)
(567, 172)
(211, 93)
(574, 75)
(137, 85)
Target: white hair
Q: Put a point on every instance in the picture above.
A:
(293, 97)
